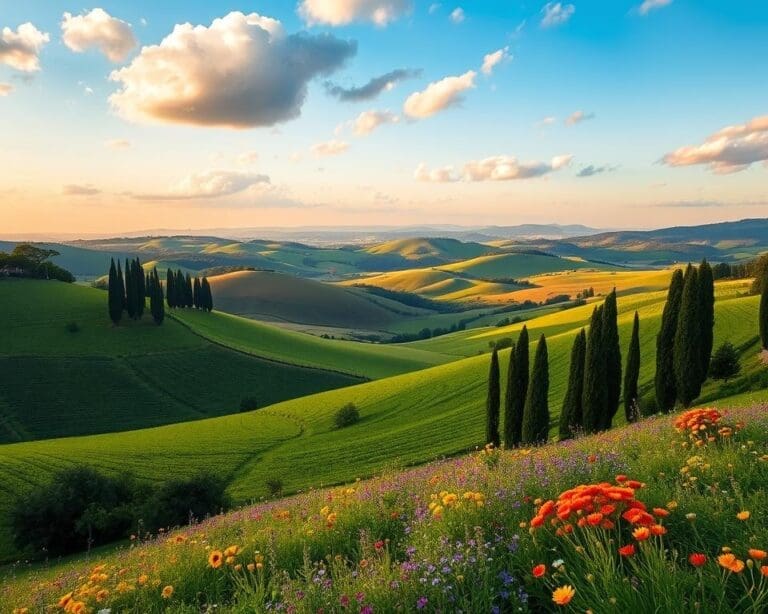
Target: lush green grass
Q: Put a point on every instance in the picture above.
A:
(517, 266)
(432, 250)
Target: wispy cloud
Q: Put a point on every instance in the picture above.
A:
(590, 170)
(491, 60)
(649, 5)
(578, 117)
(373, 88)
(208, 184)
(495, 168)
(73, 189)
(329, 148)
(457, 15)
(439, 96)
(343, 12)
(556, 13)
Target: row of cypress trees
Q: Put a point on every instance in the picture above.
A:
(684, 343)
(184, 291)
(127, 292)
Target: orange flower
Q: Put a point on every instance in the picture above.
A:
(231, 551)
(743, 515)
(539, 570)
(627, 550)
(660, 512)
(167, 592)
(658, 529)
(764, 570)
(641, 533)
(730, 562)
(537, 521)
(594, 519)
(65, 600)
(758, 555)
(215, 559)
(621, 478)
(563, 594)
(697, 559)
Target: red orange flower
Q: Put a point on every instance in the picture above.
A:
(756, 554)
(563, 594)
(730, 562)
(697, 559)
(641, 533)
(627, 550)
(539, 570)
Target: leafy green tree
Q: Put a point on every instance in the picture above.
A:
(725, 362)
(536, 410)
(706, 315)
(594, 392)
(664, 381)
(493, 401)
(571, 414)
(517, 389)
(612, 353)
(687, 345)
(115, 298)
(632, 374)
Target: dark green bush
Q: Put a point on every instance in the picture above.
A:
(179, 502)
(274, 486)
(249, 403)
(346, 416)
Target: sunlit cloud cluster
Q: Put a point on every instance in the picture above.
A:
(495, 168)
(98, 29)
(439, 95)
(368, 121)
(343, 12)
(21, 49)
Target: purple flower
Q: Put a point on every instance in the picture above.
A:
(421, 603)
(366, 609)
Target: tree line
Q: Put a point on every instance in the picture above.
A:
(185, 291)
(595, 382)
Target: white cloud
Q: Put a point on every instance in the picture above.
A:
(577, 117)
(648, 5)
(343, 12)
(5, 89)
(329, 148)
(490, 60)
(118, 144)
(74, 189)
(239, 72)
(457, 15)
(247, 158)
(368, 121)
(439, 95)
(556, 13)
(729, 150)
(546, 121)
(112, 36)
(21, 49)
(434, 7)
(210, 184)
(496, 168)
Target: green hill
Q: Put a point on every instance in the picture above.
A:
(431, 251)
(517, 265)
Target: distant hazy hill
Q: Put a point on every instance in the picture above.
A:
(431, 251)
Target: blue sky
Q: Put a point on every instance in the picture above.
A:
(647, 83)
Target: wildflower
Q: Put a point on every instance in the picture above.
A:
(421, 603)
(730, 562)
(231, 551)
(539, 570)
(758, 555)
(102, 595)
(627, 550)
(697, 559)
(250, 567)
(63, 601)
(142, 580)
(743, 515)
(690, 516)
(660, 512)
(379, 544)
(641, 533)
(344, 601)
(594, 519)
(215, 559)
(563, 594)
(764, 570)
(167, 592)
(658, 529)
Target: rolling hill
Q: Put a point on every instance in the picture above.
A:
(429, 251)
(518, 265)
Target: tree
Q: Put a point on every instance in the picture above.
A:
(665, 341)
(35, 255)
(196, 297)
(612, 353)
(141, 291)
(188, 293)
(632, 374)
(571, 414)
(169, 288)
(725, 362)
(594, 393)
(493, 402)
(115, 295)
(536, 410)
(706, 315)
(517, 388)
(156, 300)
(130, 290)
(763, 314)
(687, 345)
(207, 296)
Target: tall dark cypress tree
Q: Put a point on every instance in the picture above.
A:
(687, 347)
(180, 287)
(536, 410)
(197, 299)
(115, 298)
(141, 291)
(130, 289)
(156, 299)
(632, 373)
(666, 391)
(207, 295)
(121, 285)
(571, 414)
(612, 352)
(188, 295)
(169, 292)
(517, 389)
(594, 392)
(706, 315)
(493, 402)
(763, 313)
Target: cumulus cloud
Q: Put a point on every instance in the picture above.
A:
(343, 12)
(495, 168)
(74, 189)
(241, 71)
(209, 184)
(577, 117)
(729, 150)
(373, 88)
(118, 144)
(368, 121)
(556, 13)
(457, 15)
(439, 95)
(591, 169)
(5, 89)
(648, 5)
(491, 60)
(112, 36)
(329, 148)
(21, 49)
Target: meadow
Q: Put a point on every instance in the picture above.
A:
(668, 514)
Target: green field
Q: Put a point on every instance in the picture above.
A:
(517, 266)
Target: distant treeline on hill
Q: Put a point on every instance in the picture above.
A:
(33, 262)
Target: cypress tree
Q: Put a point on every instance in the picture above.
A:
(148, 285)
(207, 296)
(115, 298)
(156, 304)
(130, 290)
(141, 291)
(517, 388)
(493, 402)
(536, 410)
(687, 345)
(180, 286)
(594, 393)
(571, 414)
(706, 315)
(763, 314)
(120, 286)
(632, 373)
(188, 296)
(169, 293)
(665, 342)
(612, 353)
(196, 297)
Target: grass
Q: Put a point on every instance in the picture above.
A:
(517, 266)
(443, 250)
(454, 535)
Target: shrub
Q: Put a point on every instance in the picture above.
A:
(725, 362)
(178, 502)
(347, 416)
(249, 403)
(72, 327)
(274, 486)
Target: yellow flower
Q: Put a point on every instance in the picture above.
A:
(102, 595)
(563, 594)
(325, 510)
(743, 515)
(231, 551)
(215, 559)
(143, 579)
(167, 592)
(251, 567)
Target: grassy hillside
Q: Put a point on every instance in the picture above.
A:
(405, 419)
(431, 251)
(101, 378)
(517, 265)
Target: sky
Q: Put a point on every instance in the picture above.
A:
(123, 116)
